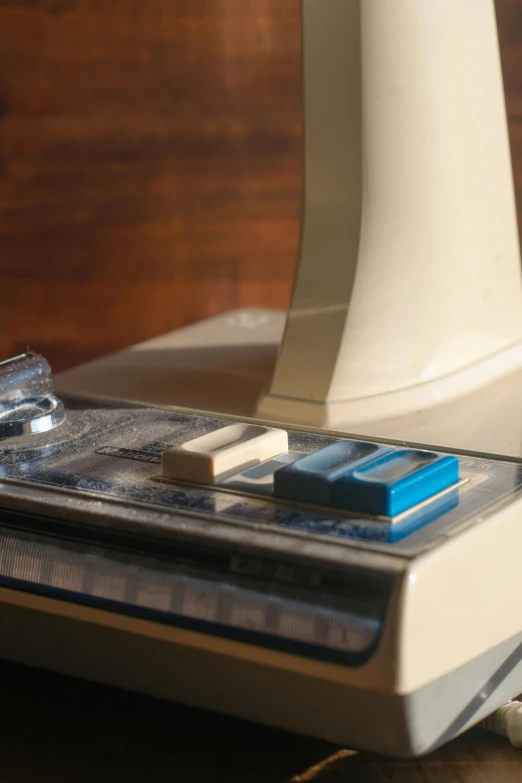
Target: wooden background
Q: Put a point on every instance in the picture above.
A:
(149, 177)
(149, 167)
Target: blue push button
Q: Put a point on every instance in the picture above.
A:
(395, 482)
(310, 479)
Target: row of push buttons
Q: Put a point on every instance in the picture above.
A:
(350, 475)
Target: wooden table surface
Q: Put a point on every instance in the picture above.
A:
(59, 730)
(149, 177)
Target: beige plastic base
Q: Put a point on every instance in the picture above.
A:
(224, 365)
(396, 403)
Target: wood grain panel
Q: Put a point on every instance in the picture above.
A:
(149, 166)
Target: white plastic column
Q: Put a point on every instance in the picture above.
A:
(408, 289)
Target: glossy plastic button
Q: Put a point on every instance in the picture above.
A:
(310, 479)
(206, 459)
(391, 484)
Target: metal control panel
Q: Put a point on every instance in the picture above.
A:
(113, 452)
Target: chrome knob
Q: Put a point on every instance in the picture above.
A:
(27, 403)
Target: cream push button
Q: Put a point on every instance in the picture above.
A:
(207, 459)
(311, 478)
(394, 483)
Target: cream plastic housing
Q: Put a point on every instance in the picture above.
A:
(408, 289)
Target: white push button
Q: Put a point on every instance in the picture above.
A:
(204, 460)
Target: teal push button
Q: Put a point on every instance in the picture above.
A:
(395, 482)
(310, 479)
